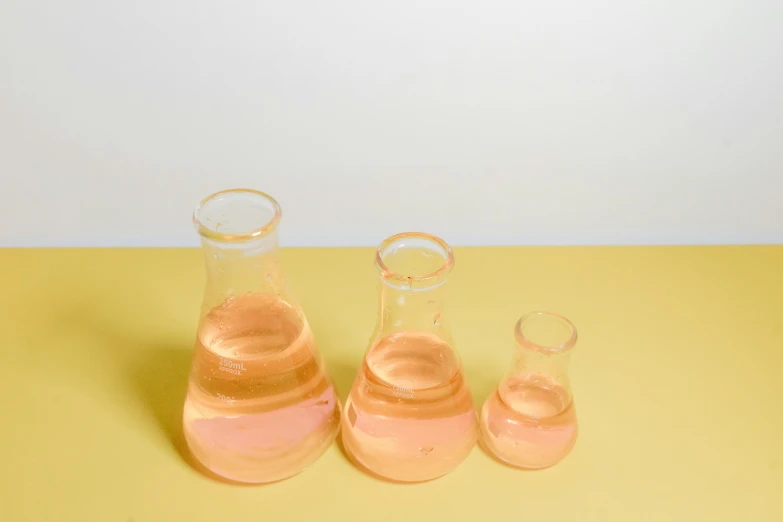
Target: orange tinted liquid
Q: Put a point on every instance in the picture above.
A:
(410, 416)
(259, 407)
(529, 422)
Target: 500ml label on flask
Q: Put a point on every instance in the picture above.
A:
(229, 366)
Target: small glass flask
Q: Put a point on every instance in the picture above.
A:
(259, 406)
(410, 415)
(530, 421)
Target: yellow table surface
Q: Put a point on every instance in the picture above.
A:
(677, 377)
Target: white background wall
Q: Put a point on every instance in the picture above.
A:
(485, 121)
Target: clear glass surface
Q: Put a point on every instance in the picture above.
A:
(530, 420)
(410, 416)
(260, 406)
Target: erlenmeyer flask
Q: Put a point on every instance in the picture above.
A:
(530, 421)
(410, 416)
(260, 406)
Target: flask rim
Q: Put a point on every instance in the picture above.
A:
(389, 274)
(209, 231)
(548, 348)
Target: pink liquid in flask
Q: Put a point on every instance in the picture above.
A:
(529, 424)
(410, 416)
(259, 406)
(530, 420)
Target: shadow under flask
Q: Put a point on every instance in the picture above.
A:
(530, 421)
(259, 406)
(410, 415)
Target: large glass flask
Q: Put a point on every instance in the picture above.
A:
(530, 421)
(260, 406)
(410, 416)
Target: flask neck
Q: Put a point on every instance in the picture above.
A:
(242, 268)
(407, 309)
(544, 343)
(413, 269)
(238, 230)
(530, 361)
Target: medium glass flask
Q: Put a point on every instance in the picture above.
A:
(530, 421)
(410, 416)
(259, 406)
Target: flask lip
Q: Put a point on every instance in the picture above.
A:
(424, 280)
(569, 340)
(209, 229)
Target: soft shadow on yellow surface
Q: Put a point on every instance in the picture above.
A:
(135, 334)
(158, 377)
(342, 373)
(154, 375)
(483, 382)
(342, 362)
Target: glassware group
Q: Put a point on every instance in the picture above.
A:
(260, 405)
